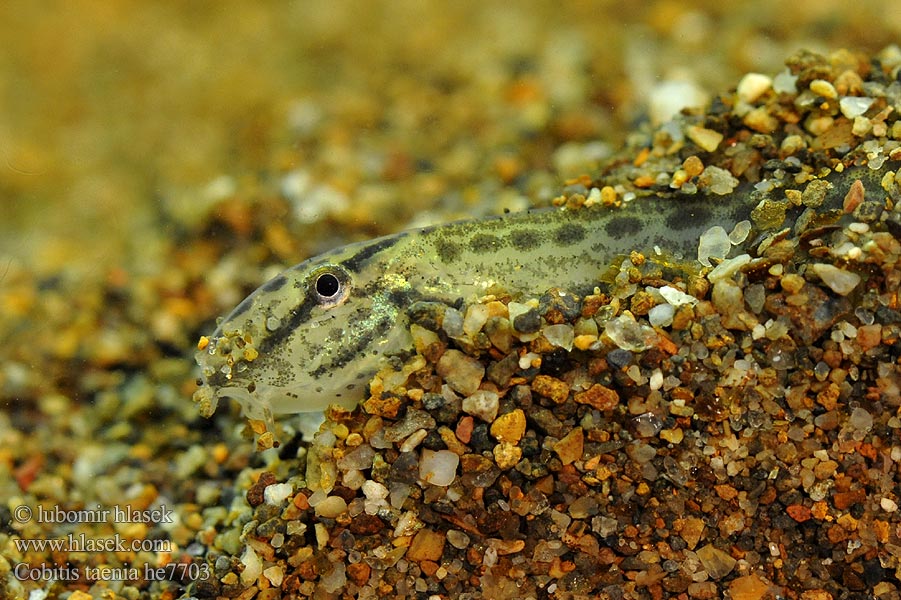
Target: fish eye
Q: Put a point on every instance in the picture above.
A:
(330, 285)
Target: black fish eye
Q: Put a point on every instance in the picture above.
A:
(327, 285)
(330, 284)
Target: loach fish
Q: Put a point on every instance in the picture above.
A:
(316, 333)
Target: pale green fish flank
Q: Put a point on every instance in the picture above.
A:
(317, 333)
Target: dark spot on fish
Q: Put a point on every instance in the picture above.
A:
(242, 308)
(620, 227)
(525, 239)
(685, 217)
(358, 260)
(569, 233)
(276, 283)
(485, 242)
(447, 250)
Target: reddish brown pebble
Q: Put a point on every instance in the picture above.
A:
(726, 492)
(854, 197)
(464, 429)
(798, 512)
(599, 397)
(845, 500)
(359, 572)
(365, 524)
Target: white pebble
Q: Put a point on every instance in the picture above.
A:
(854, 106)
(740, 232)
(676, 297)
(253, 567)
(438, 467)
(668, 98)
(714, 243)
(728, 267)
(888, 505)
(374, 490)
(839, 281)
(483, 404)
(276, 493)
(331, 507)
(718, 181)
(752, 86)
(661, 315)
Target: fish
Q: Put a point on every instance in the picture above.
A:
(316, 333)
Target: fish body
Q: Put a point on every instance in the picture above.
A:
(316, 333)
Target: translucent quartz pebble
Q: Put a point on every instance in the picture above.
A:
(714, 243)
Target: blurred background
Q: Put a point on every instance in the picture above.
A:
(124, 121)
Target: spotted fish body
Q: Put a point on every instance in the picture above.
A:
(317, 332)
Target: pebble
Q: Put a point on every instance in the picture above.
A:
(438, 467)
(752, 86)
(714, 243)
(840, 281)
(509, 427)
(717, 563)
(462, 372)
(331, 507)
(483, 404)
(571, 447)
(854, 106)
(277, 493)
(707, 139)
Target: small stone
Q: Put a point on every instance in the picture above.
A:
(629, 334)
(331, 507)
(676, 297)
(673, 436)
(717, 563)
(861, 420)
(854, 106)
(718, 181)
(839, 281)
(253, 566)
(506, 455)
(275, 575)
(359, 573)
(704, 590)
(277, 493)
(888, 505)
(823, 88)
(463, 373)
(599, 397)
(438, 467)
(509, 427)
(426, 545)
(760, 120)
(798, 512)
(752, 86)
(483, 404)
(559, 335)
(458, 539)
(714, 243)
(749, 587)
(551, 387)
(570, 448)
(706, 139)
(661, 315)
(690, 529)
